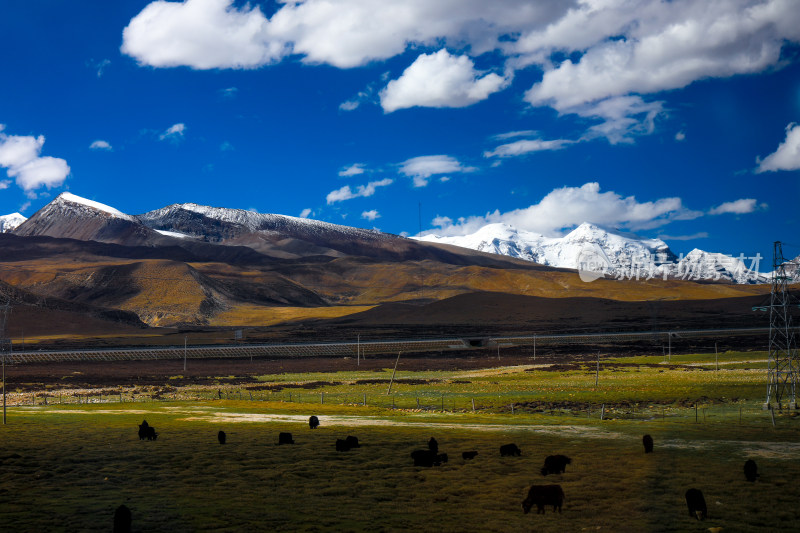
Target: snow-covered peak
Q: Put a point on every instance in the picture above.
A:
(590, 247)
(9, 222)
(69, 198)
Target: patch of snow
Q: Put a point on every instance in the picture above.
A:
(9, 222)
(173, 234)
(71, 198)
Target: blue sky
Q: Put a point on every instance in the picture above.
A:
(672, 119)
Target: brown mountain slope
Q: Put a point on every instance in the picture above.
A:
(509, 313)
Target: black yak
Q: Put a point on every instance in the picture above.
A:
(425, 458)
(555, 464)
(541, 495)
(313, 422)
(433, 445)
(122, 519)
(750, 470)
(352, 441)
(468, 455)
(146, 431)
(285, 438)
(221, 437)
(342, 446)
(696, 504)
(509, 449)
(647, 440)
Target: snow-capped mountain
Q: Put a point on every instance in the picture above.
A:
(597, 251)
(70, 216)
(9, 222)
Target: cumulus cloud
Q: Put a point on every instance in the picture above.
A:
(173, 133)
(353, 170)
(787, 156)
(21, 157)
(738, 207)
(370, 215)
(100, 145)
(567, 207)
(589, 51)
(421, 168)
(440, 80)
(347, 193)
(652, 46)
(201, 34)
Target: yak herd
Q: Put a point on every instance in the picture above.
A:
(538, 495)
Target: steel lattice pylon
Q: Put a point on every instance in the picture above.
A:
(782, 367)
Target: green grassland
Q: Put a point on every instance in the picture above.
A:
(66, 467)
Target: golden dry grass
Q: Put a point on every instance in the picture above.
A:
(255, 315)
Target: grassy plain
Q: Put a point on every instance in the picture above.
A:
(66, 467)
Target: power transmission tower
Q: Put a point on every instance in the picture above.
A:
(782, 367)
(5, 346)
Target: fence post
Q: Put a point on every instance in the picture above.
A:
(322, 397)
(365, 399)
(417, 402)
(443, 403)
(512, 408)
(473, 405)
(602, 411)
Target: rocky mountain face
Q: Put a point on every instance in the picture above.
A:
(597, 251)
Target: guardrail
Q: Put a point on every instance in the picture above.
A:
(353, 349)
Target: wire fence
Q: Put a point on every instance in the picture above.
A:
(515, 404)
(664, 339)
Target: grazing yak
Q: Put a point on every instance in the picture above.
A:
(696, 504)
(146, 431)
(122, 519)
(647, 440)
(433, 445)
(221, 437)
(426, 458)
(313, 422)
(285, 438)
(555, 464)
(345, 445)
(750, 470)
(468, 455)
(541, 495)
(509, 450)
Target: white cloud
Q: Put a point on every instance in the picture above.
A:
(651, 46)
(622, 118)
(20, 156)
(514, 134)
(440, 80)
(787, 156)
(100, 145)
(699, 235)
(353, 170)
(423, 167)
(4, 184)
(738, 207)
(202, 34)
(100, 66)
(229, 93)
(370, 215)
(680, 136)
(346, 193)
(568, 207)
(526, 146)
(173, 133)
(305, 213)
